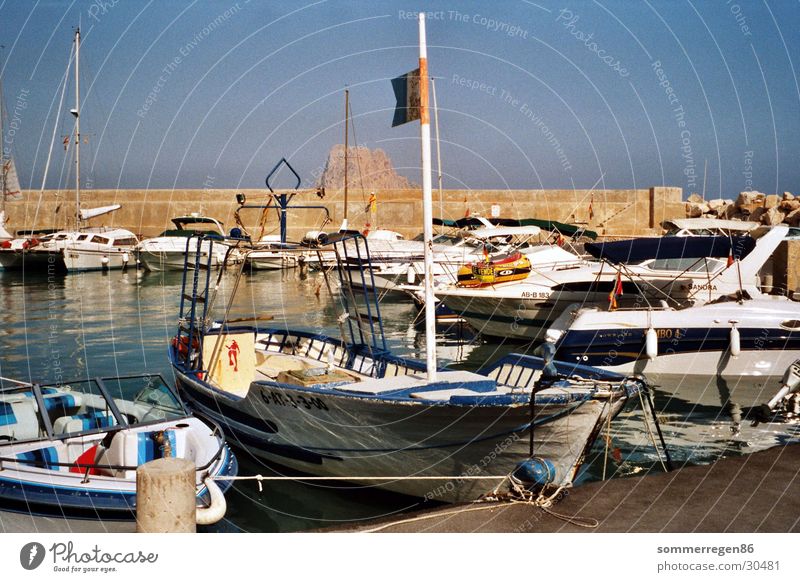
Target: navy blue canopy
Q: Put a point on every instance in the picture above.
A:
(671, 247)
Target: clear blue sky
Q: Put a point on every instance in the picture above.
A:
(531, 94)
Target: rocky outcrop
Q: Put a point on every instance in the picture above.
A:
(767, 209)
(366, 168)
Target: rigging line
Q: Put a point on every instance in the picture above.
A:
(438, 147)
(633, 277)
(53, 139)
(217, 351)
(325, 272)
(260, 477)
(358, 157)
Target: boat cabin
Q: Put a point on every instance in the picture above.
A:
(195, 225)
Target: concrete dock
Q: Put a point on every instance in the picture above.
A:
(13, 522)
(754, 493)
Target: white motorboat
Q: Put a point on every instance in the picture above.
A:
(87, 249)
(73, 448)
(273, 255)
(726, 349)
(168, 251)
(638, 272)
(471, 247)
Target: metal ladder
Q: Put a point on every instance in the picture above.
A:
(370, 332)
(194, 301)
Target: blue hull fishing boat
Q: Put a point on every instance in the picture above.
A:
(347, 408)
(73, 448)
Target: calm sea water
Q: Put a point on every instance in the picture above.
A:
(96, 324)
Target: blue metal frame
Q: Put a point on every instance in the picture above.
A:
(190, 313)
(283, 199)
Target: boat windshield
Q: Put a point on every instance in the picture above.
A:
(443, 239)
(82, 406)
(693, 265)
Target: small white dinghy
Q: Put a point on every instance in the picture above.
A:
(73, 448)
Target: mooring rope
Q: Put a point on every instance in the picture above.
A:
(518, 495)
(261, 478)
(543, 502)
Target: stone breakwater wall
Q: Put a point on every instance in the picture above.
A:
(612, 213)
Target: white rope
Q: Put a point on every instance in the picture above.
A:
(21, 383)
(261, 478)
(541, 501)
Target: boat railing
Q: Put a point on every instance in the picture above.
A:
(519, 371)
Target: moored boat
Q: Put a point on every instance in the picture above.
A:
(87, 249)
(732, 349)
(348, 408)
(73, 448)
(374, 419)
(168, 251)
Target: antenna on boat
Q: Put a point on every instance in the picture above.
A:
(427, 203)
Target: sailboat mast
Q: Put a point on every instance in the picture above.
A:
(77, 113)
(2, 146)
(346, 148)
(427, 203)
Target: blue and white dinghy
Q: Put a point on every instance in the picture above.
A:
(73, 448)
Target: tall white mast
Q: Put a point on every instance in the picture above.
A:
(77, 113)
(2, 148)
(346, 148)
(427, 203)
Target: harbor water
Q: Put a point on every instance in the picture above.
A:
(60, 328)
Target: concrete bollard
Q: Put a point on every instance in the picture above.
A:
(165, 497)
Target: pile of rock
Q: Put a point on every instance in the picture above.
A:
(769, 209)
(367, 169)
